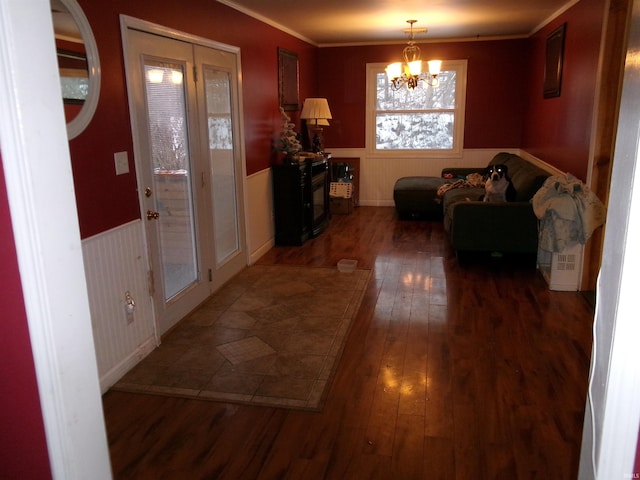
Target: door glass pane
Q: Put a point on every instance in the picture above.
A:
(171, 190)
(221, 162)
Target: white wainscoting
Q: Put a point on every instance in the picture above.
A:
(379, 175)
(260, 226)
(115, 262)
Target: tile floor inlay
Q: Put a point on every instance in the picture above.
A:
(245, 350)
(272, 336)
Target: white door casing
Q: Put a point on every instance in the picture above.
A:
(190, 169)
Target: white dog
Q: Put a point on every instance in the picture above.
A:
(498, 187)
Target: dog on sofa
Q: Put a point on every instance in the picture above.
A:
(498, 187)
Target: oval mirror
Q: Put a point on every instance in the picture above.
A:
(78, 63)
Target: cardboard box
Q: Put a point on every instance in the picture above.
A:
(340, 205)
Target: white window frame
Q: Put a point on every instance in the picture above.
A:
(460, 66)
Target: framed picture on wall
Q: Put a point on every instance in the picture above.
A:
(288, 80)
(553, 62)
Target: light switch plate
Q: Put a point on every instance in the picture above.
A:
(121, 160)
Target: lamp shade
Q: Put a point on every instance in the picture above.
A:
(315, 109)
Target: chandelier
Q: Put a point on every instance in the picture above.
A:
(410, 72)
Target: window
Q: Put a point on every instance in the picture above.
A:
(426, 120)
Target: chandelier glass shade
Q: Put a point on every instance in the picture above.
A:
(409, 72)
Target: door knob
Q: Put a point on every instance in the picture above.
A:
(151, 215)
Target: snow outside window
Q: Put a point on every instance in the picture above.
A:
(423, 120)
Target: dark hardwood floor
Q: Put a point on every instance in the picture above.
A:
(448, 373)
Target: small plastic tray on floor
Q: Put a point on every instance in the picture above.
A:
(347, 266)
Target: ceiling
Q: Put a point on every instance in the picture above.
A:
(65, 26)
(344, 22)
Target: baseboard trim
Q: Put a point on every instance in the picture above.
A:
(116, 373)
(377, 203)
(261, 250)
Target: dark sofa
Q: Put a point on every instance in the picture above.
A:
(507, 227)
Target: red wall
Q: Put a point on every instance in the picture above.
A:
(23, 448)
(106, 200)
(496, 86)
(558, 130)
(505, 108)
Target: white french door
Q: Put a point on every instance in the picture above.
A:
(184, 101)
(220, 140)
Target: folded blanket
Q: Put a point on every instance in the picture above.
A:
(473, 180)
(568, 211)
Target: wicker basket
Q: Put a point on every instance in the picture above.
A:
(340, 189)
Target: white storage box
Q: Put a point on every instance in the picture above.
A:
(562, 270)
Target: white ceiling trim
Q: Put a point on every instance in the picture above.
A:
(554, 16)
(262, 18)
(266, 20)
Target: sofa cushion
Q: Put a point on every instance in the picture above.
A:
(456, 195)
(526, 177)
(418, 196)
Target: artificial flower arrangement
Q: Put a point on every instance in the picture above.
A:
(288, 142)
